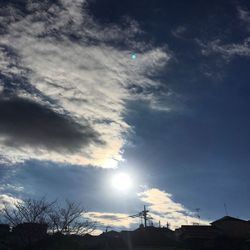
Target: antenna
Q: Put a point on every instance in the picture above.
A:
(225, 207)
(198, 211)
(106, 229)
(198, 214)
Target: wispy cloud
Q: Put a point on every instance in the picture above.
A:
(57, 57)
(227, 51)
(244, 15)
(179, 32)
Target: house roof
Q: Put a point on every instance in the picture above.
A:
(4, 226)
(194, 228)
(227, 218)
(153, 229)
(111, 234)
(196, 231)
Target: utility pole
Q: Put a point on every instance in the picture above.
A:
(143, 214)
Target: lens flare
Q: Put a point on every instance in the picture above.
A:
(133, 56)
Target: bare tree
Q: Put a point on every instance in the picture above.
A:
(27, 211)
(70, 219)
(67, 219)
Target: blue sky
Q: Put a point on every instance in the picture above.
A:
(75, 108)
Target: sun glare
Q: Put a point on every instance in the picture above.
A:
(122, 181)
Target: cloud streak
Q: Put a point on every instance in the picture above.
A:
(227, 51)
(111, 219)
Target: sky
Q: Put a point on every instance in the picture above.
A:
(158, 90)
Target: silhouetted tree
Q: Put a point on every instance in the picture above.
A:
(27, 211)
(69, 219)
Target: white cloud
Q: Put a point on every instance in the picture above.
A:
(70, 61)
(8, 200)
(163, 208)
(160, 201)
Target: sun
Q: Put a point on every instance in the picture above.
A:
(122, 182)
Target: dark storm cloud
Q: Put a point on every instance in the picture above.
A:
(26, 123)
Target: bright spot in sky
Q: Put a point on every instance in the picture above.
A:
(110, 163)
(122, 181)
(133, 56)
